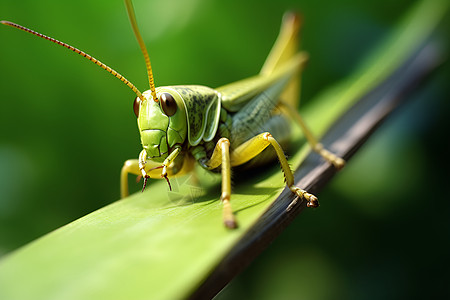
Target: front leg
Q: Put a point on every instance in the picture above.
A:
(132, 166)
(150, 169)
(167, 162)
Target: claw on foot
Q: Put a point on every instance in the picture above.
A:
(332, 158)
(163, 175)
(168, 182)
(228, 217)
(338, 162)
(231, 224)
(146, 177)
(312, 200)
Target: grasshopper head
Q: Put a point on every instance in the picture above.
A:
(162, 123)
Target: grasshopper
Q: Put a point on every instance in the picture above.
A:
(244, 123)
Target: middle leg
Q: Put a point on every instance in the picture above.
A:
(221, 156)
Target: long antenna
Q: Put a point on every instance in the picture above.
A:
(93, 59)
(133, 21)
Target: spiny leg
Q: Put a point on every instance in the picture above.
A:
(284, 48)
(332, 158)
(221, 156)
(256, 145)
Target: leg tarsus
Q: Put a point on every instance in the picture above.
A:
(228, 217)
(332, 158)
(254, 146)
(146, 177)
(317, 147)
(168, 182)
(312, 200)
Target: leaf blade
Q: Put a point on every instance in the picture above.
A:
(160, 245)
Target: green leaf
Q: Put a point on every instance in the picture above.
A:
(163, 245)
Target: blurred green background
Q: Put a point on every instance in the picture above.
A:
(382, 230)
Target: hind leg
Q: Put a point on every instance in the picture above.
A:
(332, 158)
(256, 145)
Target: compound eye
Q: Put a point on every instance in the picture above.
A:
(168, 104)
(136, 104)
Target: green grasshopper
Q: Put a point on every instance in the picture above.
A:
(219, 128)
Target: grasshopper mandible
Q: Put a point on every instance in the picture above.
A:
(181, 125)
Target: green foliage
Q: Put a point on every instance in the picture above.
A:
(157, 244)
